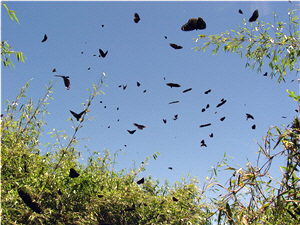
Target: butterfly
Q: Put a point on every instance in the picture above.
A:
(77, 116)
(144, 91)
(175, 199)
(207, 106)
(124, 86)
(173, 102)
(203, 143)
(223, 118)
(240, 11)
(211, 135)
(166, 37)
(136, 18)
(265, 74)
(207, 91)
(102, 53)
(193, 23)
(170, 168)
(100, 196)
(186, 90)
(205, 125)
(28, 201)
(66, 81)
(222, 103)
(175, 117)
(253, 127)
(140, 127)
(73, 173)
(131, 131)
(141, 181)
(165, 120)
(54, 70)
(249, 116)
(59, 192)
(254, 16)
(175, 46)
(138, 84)
(173, 85)
(45, 38)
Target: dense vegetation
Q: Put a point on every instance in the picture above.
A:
(101, 195)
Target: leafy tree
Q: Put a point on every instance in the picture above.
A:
(278, 44)
(6, 49)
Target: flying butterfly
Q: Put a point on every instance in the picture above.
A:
(211, 135)
(175, 199)
(205, 125)
(193, 23)
(66, 81)
(175, 46)
(165, 120)
(222, 103)
(173, 102)
(77, 116)
(265, 74)
(144, 91)
(138, 84)
(45, 38)
(253, 127)
(207, 106)
(186, 90)
(249, 116)
(136, 18)
(28, 201)
(73, 173)
(54, 70)
(141, 181)
(124, 86)
(140, 127)
(240, 11)
(203, 110)
(223, 118)
(131, 131)
(102, 53)
(170, 168)
(175, 117)
(173, 85)
(254, 16)
(206, 92)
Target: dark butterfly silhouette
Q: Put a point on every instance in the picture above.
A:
(170, 168)
(138, 84)
(94, 55)
(165, 120)
(102, 53)
(175, 117)
(140, 127)
(124, 86)
(131, 131)
(105, 107)
(54, 70)
(45, 38)
(28, 201)
(102, 25)
(175, 46)
(223, 118)
(193, 23)
(77, 116)
(164, 78)
(100, 101)
(173, 102)
(203, 144)
(284, 117)
(166, 37)
(222, 103)
(144, 91)
(249, 116)
(175, 199)
(211, 135)
(203, 110)
(207, 91)
(186, 90)
(89, 68)
(141, 181)
(131, 208)
(100, 196)
(81, 52)
(173, 85)
(59, 192)
(108, 127)
(265, 74)
(117, 108)
(73, 173)
(253, 127)
(254, 16)
(207, 106)
(136, 18)
(205, 125)
(66, 81)
(240, 11)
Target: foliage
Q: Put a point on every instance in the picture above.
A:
(281, 48)
(6, 49)
(100, 195)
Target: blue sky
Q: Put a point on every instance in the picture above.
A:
(140, 53)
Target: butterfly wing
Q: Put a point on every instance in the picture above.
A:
(75, 115)
(175, 46)
(45, 38)
(67, 83)
(136, 18)
(25, 196)
(254, 16)
(141, 181)
(200, 24)
(190, 25)
(73, 173)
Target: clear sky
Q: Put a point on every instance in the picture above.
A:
(139, 52)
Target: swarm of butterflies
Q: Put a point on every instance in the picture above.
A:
(192, 24)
